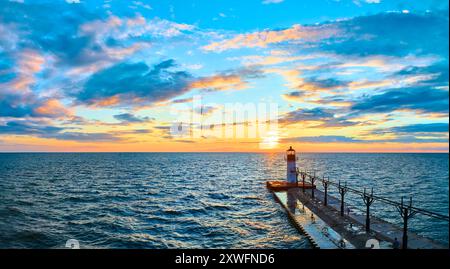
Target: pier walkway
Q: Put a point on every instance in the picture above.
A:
(353, 225)
(326, 228)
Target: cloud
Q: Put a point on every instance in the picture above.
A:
(17, 95)
(116, 28)
(27, 128)
(12, 105)
(267, 2)
(138, 131)
(18, 106)
(134, 84)
(143, 5)
(437, 73)
(182, 100)
(220, 83)
(425, 132)
(21, 76)
(9, 39)
(421, 128)
(380, 34)
(42, 129)
(349, 140)
(415, 139)
(78, 56)
(323, 139)
(6, 74)
(413, 133)
(295, 96)
(315, 114)
(265, 38)
(37, 32)
(17, 98)
(227, 80)
(304, 97)
(130, 118)
(422, 88)
(83, 137)
(309, 86)
(325, 117)
(83, 39)
(268, 60)
(422, 99)
(319, 84)
(52, 108)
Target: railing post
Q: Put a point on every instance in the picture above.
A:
(406, 212)
(313, 180)
(325, 187)
(342, 192)
(303, 179)
(368, 200)
(405, 229)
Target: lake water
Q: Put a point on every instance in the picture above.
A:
(192, 200)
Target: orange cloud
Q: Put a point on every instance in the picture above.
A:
(118, 99)
(291, 76)
(22, 82)
(220, 83)
(30, 62)
(52, 107)
(264, 38)
(113, 100)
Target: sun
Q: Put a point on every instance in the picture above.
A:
(270, 141)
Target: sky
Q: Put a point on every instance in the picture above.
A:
(224, 75)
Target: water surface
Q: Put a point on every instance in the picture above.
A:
(191, 200)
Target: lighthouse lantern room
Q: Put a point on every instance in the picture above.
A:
(291, 166)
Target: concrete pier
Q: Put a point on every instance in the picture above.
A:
(326, 228)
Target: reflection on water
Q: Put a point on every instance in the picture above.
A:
(190, 200)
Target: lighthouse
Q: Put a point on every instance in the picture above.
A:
(291, 167)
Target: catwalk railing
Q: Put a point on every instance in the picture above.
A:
(405, 209)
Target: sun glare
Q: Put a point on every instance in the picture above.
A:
(270, 141)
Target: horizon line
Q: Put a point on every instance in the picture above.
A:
(254, 152)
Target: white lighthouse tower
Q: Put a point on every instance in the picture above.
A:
(291, 167)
